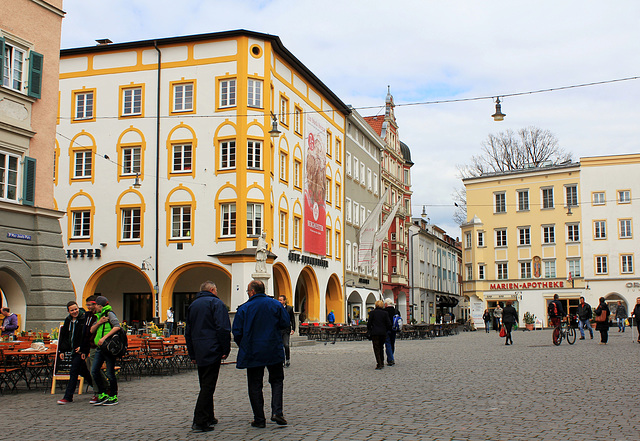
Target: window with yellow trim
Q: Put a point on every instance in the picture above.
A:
(81, 224)
(227, 92)
(82, 164)
(254, 219)
(624, 196)
(328, 190)
(131, 222)
(284, 166)
(338, 244)
(284, 110)
(84, 104)
(254, 154)
(228, 228)
(338, 195)
(626, 263)
(338, 151)
(228, 154)
(283, 228)
(329, 241)
(329, 146)
(181, 156)
(625, 229)
(131, 160)
(297, 222)
(297, 120)
(254, 93)
(132, 101)
(181, 222)
(297, 173)
(601, 265)
(183, 97)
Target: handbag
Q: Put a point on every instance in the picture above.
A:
(503, 332)
(602, 317)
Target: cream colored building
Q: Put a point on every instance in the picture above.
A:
(523, 237)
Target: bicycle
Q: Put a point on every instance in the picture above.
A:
(565, 330)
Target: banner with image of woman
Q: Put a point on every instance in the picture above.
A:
(314, 185)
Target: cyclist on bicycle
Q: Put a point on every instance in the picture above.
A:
(556, 311)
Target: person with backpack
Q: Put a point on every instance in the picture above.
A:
(107, 324)
(378, 325)
(602, 321)
(70, 341)
(509, 318)
(556, 311)
(584, 315)
(396, 326)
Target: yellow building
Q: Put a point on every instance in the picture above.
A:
(523, 240)
(169, 172)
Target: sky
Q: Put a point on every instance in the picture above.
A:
(428, 50)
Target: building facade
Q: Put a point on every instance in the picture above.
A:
(396, 177)
(34, 278)
(362, 193)
(170, 171)
(435, 288)
(523, 239)
(610, 206)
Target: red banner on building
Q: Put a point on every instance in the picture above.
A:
(314, 185)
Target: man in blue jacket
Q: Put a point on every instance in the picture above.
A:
(208, 340)
(257, 331)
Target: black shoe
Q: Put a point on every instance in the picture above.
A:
(592, 337)
(391, 363)
(260, 425)
(198, 428)
(506, 344)
(279, 419)
(582, 338)
(379, 367)
(213, 422)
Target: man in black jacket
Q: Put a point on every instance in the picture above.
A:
(288, 332)
(584, 315)
(208, 338)
(70, 344)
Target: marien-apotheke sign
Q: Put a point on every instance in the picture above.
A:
(308, 260)
(527, 285)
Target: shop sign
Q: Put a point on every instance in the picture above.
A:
(18, 236)
(527, 285)
(308, 260)
(633, 285)
(90, 253)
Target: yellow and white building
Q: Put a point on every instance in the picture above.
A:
(168, 174)
(523, 237)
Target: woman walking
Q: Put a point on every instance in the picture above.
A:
(603, 325)
(509, 317)
(378, 325)
(487, 319)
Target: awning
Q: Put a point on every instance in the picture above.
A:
(446, 301)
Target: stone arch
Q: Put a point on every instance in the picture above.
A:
(334, 299)
(307, 295)
(282, 282)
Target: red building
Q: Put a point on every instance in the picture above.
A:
(395, 176)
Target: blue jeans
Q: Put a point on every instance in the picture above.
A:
(621, 324)
(98, 380)
(582, 324)
(390, 346)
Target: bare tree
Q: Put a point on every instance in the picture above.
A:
(530, 147)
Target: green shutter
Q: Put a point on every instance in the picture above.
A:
(35, 74)
(29, 181)
(1, 60)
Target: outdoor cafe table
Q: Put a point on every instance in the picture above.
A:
(33, 364)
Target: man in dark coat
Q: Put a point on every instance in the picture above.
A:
(288, 332)
(257, 330)
(208, 340)
(584, 317)
(70, 342)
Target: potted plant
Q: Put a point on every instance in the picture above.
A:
(529, 320)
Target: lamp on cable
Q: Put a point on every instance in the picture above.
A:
(146, 265)
(498, 116)
(274, 132)
(136, 183)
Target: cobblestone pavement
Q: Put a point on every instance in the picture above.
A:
(464, 387)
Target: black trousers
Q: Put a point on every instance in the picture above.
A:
(507, 327)
(378, 348)
(255, 377)
(78, 367)
(208, 377)
(604, 335)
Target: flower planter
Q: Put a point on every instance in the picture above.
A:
(529, 326)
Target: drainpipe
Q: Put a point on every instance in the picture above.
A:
(156, 288)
